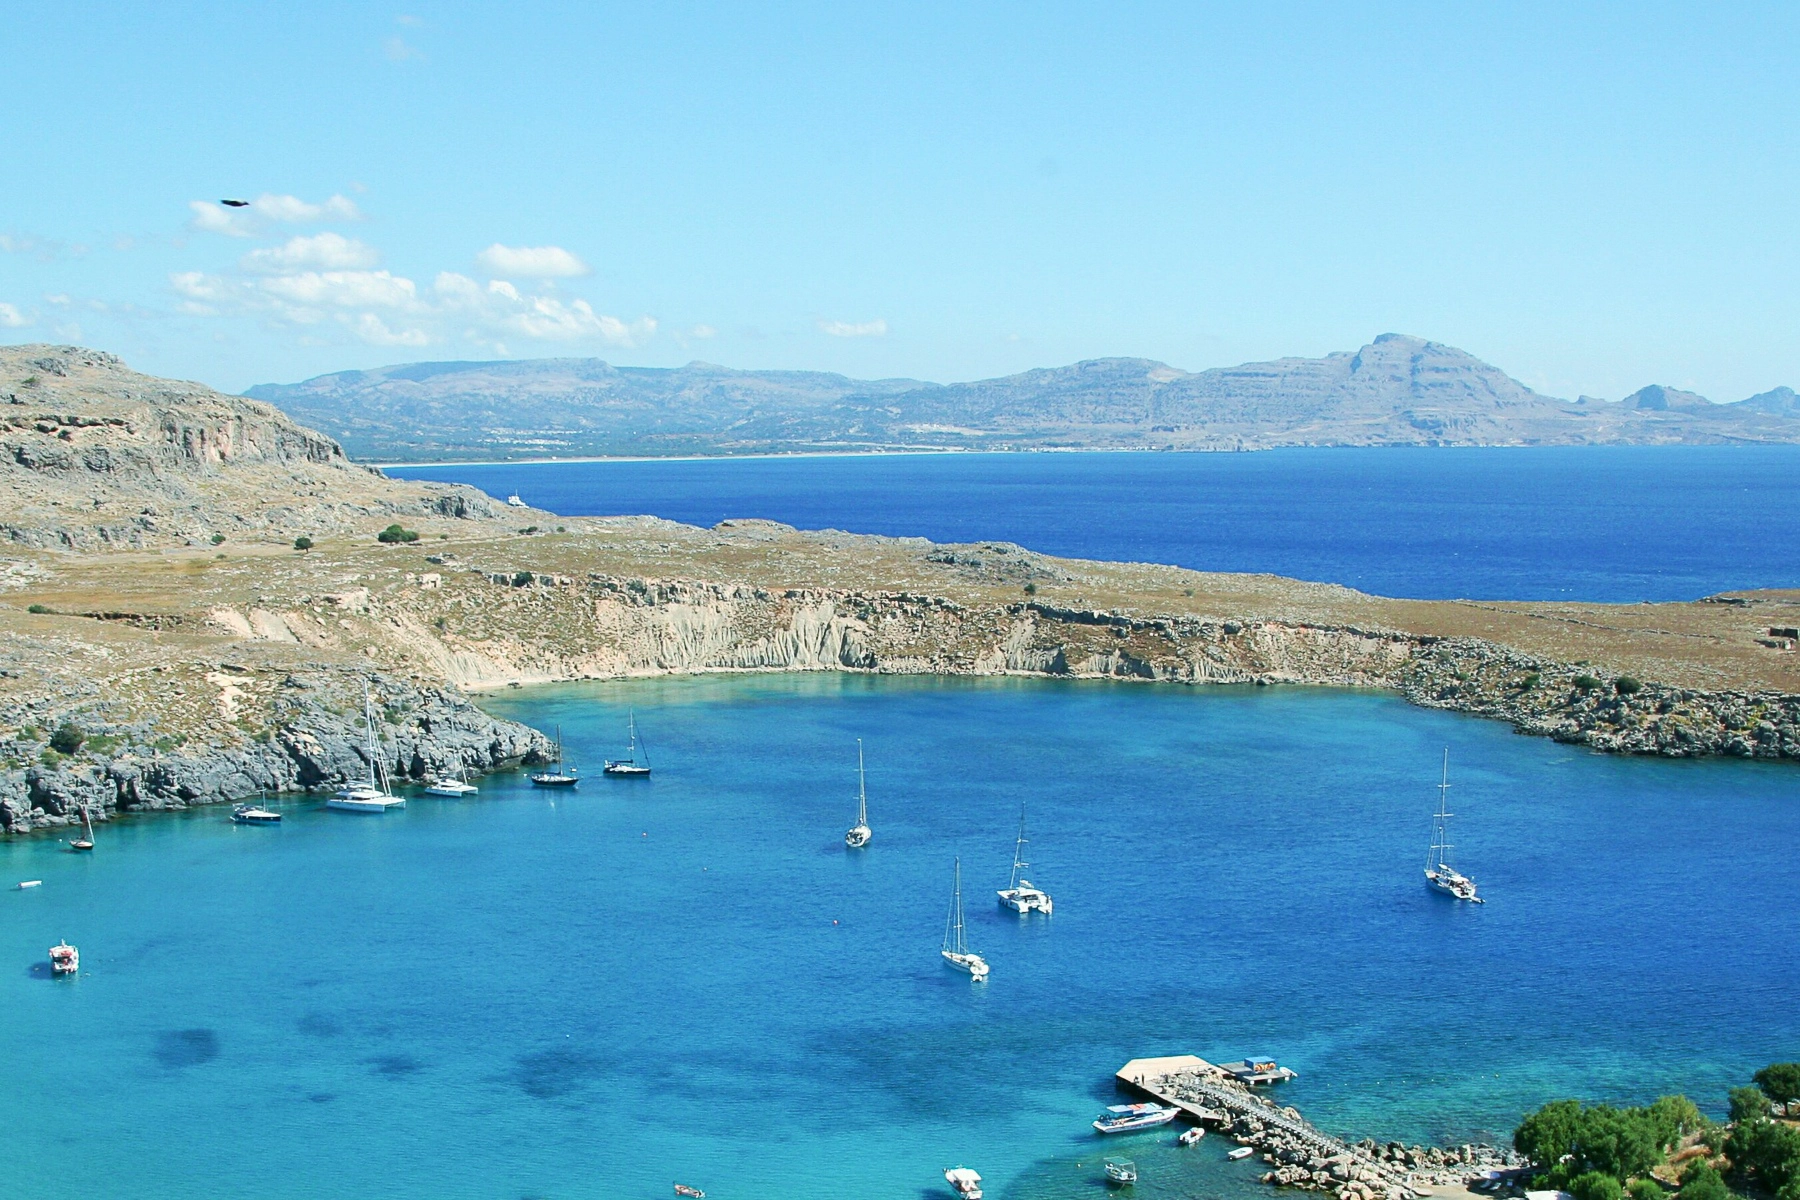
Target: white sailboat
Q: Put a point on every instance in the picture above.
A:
(451, 788)
(956, 950)
(1019, 895)
(1440, 876)
(374, 794)
(629, 766)
(860, 833)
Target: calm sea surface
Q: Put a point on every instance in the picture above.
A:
(1623, 523)
(597, 993)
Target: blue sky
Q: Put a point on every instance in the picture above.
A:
(1591, 197)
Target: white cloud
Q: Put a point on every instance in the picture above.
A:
(531, 262)
(875, 328)
(703, 331)
(372, 329)
(212, 217)
(397, 50)
(325, 251)
(342, 289)
(12, 318)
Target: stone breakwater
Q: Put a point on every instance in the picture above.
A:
(526, 628)
(314, 738)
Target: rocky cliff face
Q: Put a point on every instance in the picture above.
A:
(93, 455)
(308, 733)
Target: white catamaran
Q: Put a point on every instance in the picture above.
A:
(374, 795)
(956, 950)
(1019, 895)
(860, 833)
(629, 765)
(1440, 876)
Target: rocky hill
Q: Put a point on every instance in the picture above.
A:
(145, 666)
(1395, 391)
(93, 454)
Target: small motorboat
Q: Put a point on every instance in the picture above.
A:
(1128, 1118)
(254, 814)
(1191, 1136)
(64, 959)
(1120, 1171)
(30, 883)
(682, 1189)
(965, 1182)
(1241, 1152)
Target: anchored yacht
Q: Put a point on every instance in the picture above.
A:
(555, 775)
(966, 1182)
(64, 959)
(1019, 895)
(860, 833)
(1440, 876)
(254, 814)
(451, 789)
(629, 766)
(956, 950)
(372, 794)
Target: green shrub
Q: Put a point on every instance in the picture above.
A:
(1625, 685)
(49, 757)
(1748, 1104)
(1563, 1137)
(217, 538)
(1596, 1185)
(1645, 1189)
(529, 529)
(1586, 683)
(303, 543)
(30, 733)
(1031, 589)
(38, 608)
(522, 578)
(68, 738)
(1530, 681)
(1765, 1153)
(1701, 1182)
(394, 533)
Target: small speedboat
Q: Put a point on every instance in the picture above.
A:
(1241, 1152)
(253, 814)
(1120, 1171)
(1191, 1136)
(966, 1183)
(31, 883)
(64, 959)
(1128, 1118)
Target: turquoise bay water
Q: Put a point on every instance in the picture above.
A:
(592, 994)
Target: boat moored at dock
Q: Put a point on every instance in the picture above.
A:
(964, 1182)
(64, 959)
(1191, 1136)
(1129, 1118)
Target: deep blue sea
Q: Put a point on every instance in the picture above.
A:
(1614, 523)
(598, 993)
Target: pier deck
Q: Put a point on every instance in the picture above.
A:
(1208, 1093)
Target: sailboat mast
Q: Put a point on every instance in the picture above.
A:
(1440, 834)
(956, 907)
(862, 788)
(1019, 863)
(375, 773)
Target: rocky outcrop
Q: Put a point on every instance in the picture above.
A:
(315, 738)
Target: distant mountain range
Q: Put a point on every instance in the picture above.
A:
(1397, 390)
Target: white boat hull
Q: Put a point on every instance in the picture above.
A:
(1025, 899)
(629, 770)
(1133, 1124)
(365, 804)
(859, 837)
(974, 964)
(451, 791)
(1452, 884)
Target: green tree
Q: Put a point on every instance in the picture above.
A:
(1546, 1135)
(1645, 1189)
(1674, 1118)
(1625, 685)
(68, 738)
(1586, 683)
(1780, 1082)
(1748, 1104)
(1596, 1185)
(303, 543)
(1701, 1182)
(1765, 1153)
(395, 533)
